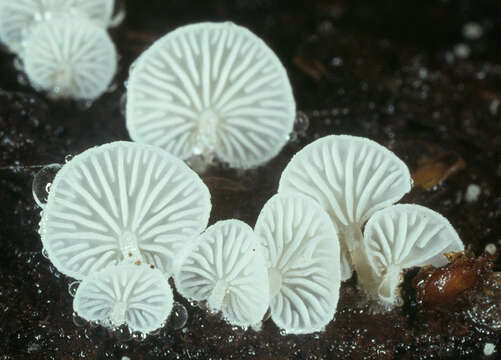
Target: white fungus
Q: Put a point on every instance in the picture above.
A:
(211, 89)
(351, 178)
(119, 201)
(69, 57)
(489, 349)
(303, 260)
(17, 17)
(401, 237)
(226, 268)
(472, 193)
(130, 294)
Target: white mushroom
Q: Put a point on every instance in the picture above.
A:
(226, 268)
(211, 89)
(405, 236)
(302, 257)
(119, 201)
(17, 17)
(69, 57)
(351, 178)
(137, 296)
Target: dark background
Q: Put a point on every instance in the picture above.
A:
(387, 70)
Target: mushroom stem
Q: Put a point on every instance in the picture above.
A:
(117, 313)
(216, 298)
(388, 287)
(367, 280)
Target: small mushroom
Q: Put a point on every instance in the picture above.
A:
(122, 201)
(226, 268)
(211, 89)
(302, 256)
(127, 294)
(19, 16)
(69, 57)
(351, 178)
(405, 236)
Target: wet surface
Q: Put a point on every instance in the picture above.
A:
(403, 75)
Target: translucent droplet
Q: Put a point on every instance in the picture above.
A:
(42, 181)
(122, 333)
(72, 288)
(283, 332)
(178, 317)
(139, 336)
(18, 64)
(67, 158)
(22, 80)
(45, 254)
(301, 123)
(123, 103)
(78, 321)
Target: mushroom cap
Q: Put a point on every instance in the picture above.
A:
(226, 268)
(70, 57)
(404, 236)
(125, 294)
(351, 178)
(18, 16)
(211, 88)
(119, 201)
(303, 259)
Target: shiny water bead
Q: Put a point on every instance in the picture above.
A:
(212, 89)
(122, 201)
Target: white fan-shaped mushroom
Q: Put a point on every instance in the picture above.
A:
(129, 294)
(211, 88)
(226, 268)
(351, 178)
(118, 201)
(404, 236)
(302, 257)
(17, 17)
(69, 57)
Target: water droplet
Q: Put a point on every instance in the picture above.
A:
(18, 64)
(123, 103)
(139, 336)
(283, 332)
(41, 183)
(45, 254)
(72, 288)
(301, 123)
(22, 80)
(122, 333)
(178, 317)
(78, 321)
(68, 157)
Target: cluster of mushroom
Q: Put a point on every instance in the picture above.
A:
(63, 45)
(124, 217)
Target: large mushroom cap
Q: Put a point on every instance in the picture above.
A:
(351, 178)
(404, 236)
(69, 57)
(119, 201)
(226, 268)
(211, 88)
(18, 16)
(303, 259)
(137, 296)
